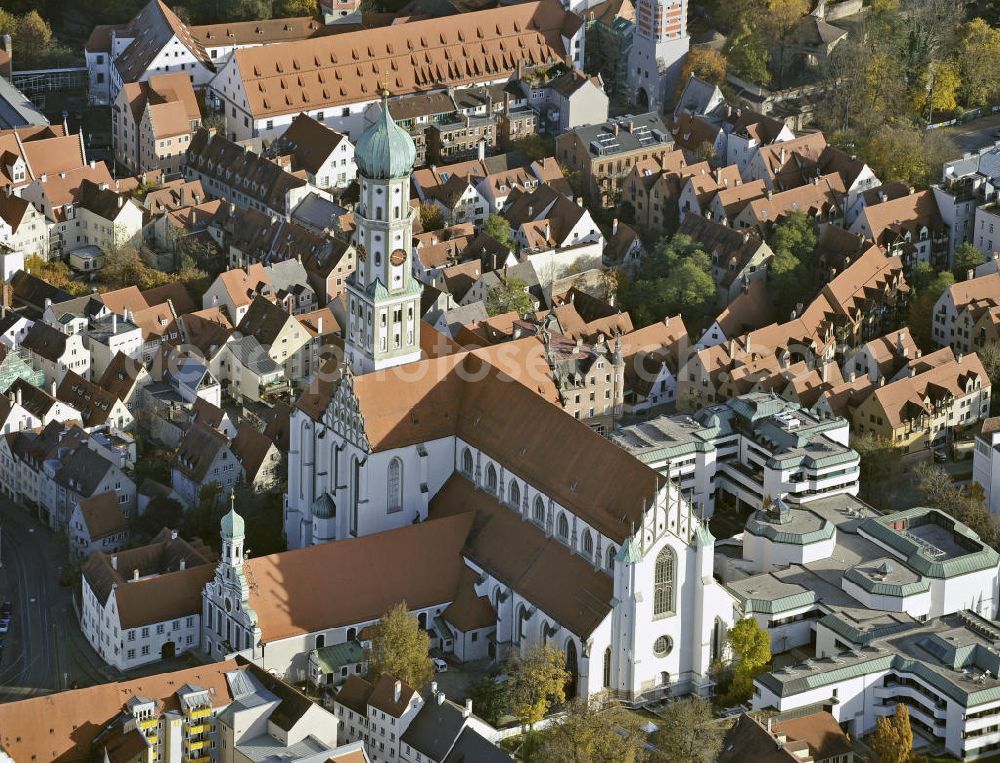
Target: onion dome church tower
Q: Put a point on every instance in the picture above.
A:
(383, 325)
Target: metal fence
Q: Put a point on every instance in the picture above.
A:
(36, 83)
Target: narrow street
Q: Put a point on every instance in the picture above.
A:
(44, 650)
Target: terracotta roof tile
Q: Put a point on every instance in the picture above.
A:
(357, 580)
(420, 55)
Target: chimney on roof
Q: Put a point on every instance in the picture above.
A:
(114, 562)
(850, 376)
(397, 690)
(746, 343)
(468, 708)
(970, 274)
(614, 128)
(135, 574)
(114, 323)
(93, 164)
(579, 201)
(434, 687)
(782, 155)
(481, 149)
(824, 373)
(440, 698)
(770, 193)
(52, 388)
(614, 226)
(184, 564)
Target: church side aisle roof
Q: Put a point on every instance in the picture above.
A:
(542, 570)
(356, 580)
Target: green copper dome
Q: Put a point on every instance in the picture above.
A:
(385, 150)
(232, 524)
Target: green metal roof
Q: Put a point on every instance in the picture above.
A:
(979, 556)
(332, 658)
(385, 150)
(857, 577)
(766, 530)
(781, 604)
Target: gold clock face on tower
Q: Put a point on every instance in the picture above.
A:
(362, 252)
(397, 258)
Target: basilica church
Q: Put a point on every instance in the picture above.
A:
(446, 480)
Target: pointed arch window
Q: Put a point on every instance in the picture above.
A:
(611, 558)
(394, 484)
(562, 528)
(607, 668)
(663, 584)
(491, 479)
(539, 514)
(514, 494)
(467, 462)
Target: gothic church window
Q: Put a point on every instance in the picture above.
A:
(491, 479)
(467, 462)
(515, 494)
(663, 584)
(588, 544)
(611, 558)
(563, 528)
(394, 483)
(539, 514)
(607, 668)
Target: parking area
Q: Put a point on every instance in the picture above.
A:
(457, 681)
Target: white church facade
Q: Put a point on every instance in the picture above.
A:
(502, 521)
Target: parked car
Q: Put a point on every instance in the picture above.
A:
(4, 624)
(940, 456)
(440, 666)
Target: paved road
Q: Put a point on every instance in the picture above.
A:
(44, 650)
(975, 134)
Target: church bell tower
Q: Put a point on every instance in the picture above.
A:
(383, 326)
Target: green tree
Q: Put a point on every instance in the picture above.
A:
(688, 732)
(793, 240)
(161, 512)
(489, 700)
(33, 32)
(937, 94)
(202, 519)
(921, 310)
(510, 295)
(8, 22)
(400, 648)
(498, 229)
(892, 740)
(976, 58)
(748, 54)
(587, 733)
(966, 503)
(704, 63)
(879, 466)
(967, 258)
(921, 276)
(989, 356)
(535, 146)
(430, 216)
(751, 652)
(675, 278)
(281, 9)
(536, 681)
(56, 273)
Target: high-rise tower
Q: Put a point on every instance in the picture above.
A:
(383, 326)
(659, 45)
